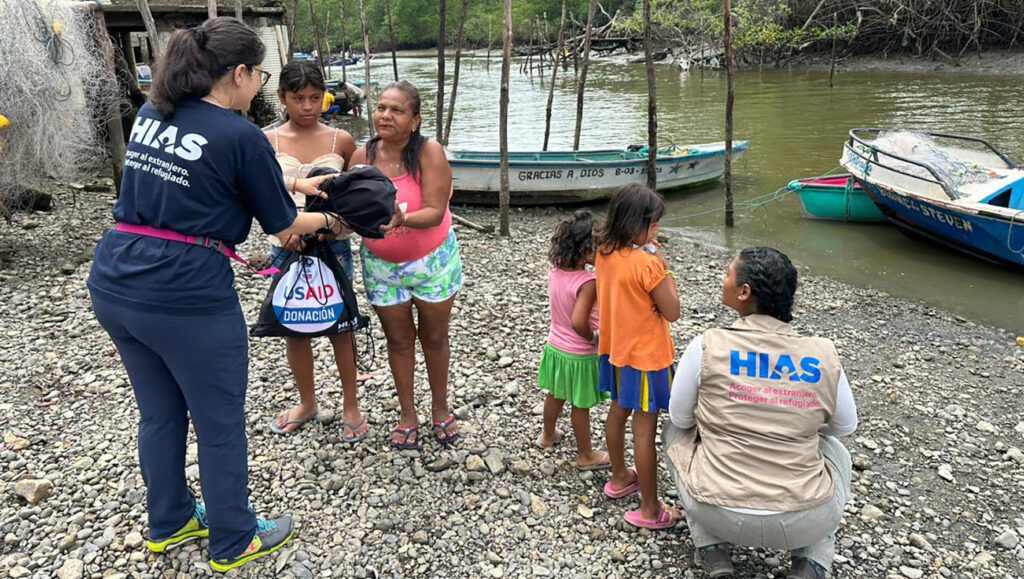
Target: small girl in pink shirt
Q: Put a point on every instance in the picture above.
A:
(568, 365)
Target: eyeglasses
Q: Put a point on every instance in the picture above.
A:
(264, 75)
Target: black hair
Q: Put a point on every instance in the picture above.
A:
(196, 58)
(772, 280)
(411, 152)
(632, 210)
(298, 74)
(573, 241)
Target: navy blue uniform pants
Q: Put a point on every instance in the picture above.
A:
(183, 366)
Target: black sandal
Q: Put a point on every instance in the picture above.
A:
(406, 434)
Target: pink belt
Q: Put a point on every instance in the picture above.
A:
(200, 240)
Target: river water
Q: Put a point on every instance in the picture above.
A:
(795, 125)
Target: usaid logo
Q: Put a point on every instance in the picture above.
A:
(306, 298)
(761, 365)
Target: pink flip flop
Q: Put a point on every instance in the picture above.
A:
(665, 520)
(612, 493)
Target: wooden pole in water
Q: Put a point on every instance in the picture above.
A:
(575, 53)
(391, 39)
(366, 67)
(455, 75)
(730, 97)
(832, 60)
(151, 32)
(341, 19)
(527, 66)
(583, 75)
(238, 10)
(554, 74)
(439, 127)
(316, 36)
(490, 37)
(293, 40)
(211, 8)
(506, 64)
(652, 103)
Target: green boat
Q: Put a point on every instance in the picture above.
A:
(835, 198)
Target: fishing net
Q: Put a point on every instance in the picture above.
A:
(950, 164)
(56, 94)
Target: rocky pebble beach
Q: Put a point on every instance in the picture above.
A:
(939, 470)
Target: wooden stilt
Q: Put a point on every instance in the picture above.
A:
(729, 102)
(366, 68)
(341, 19)
(440, 71)
(455, 75)
(316, 38)
(151, 31)
(391, 40)
(652, 102)
(583, 75)
(115, 132)
(554, 75)
(506, 64)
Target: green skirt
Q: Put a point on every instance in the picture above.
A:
(570, 377)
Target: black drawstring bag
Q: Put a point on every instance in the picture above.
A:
(311, 296)
(362, 196)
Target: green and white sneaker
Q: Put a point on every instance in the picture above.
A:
(270, 536)
(195, 528)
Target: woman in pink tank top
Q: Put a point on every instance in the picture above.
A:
(417, 264)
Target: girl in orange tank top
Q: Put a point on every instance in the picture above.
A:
(636, 300)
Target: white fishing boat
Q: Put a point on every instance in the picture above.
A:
(556, 177)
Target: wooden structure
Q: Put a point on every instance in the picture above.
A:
(140, 29)
(125, 19)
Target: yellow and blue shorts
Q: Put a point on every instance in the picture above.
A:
(640, 390)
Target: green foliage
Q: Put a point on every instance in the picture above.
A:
(760, 26)
(416, 21)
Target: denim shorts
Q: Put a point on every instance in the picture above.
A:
(341, 248)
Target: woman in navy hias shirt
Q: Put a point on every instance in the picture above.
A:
(195, 168)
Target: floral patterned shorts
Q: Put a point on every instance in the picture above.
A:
(433, 278)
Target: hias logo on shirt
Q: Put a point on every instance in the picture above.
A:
(783, 367)
(153, 133)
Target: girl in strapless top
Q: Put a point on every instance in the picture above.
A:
(301, 144)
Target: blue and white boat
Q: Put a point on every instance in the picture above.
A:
(956, 190)
(557, 177)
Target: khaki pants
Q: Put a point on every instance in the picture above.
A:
(809, 533)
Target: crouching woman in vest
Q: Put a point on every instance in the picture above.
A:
(755, 411)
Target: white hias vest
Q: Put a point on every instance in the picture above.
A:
(764, 392)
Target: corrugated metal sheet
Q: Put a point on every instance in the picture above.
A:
(272, 60)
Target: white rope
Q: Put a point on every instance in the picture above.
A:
(1009, 234)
